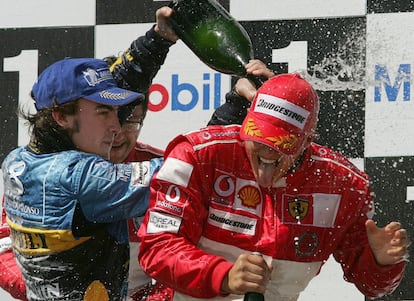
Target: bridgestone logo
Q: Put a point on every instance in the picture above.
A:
(232, 222)
(282, 109)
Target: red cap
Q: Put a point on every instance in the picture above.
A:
(282, 114)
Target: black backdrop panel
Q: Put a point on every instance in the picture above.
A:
(52, 44)
(336, 62)
(127, 11)
(389, 6)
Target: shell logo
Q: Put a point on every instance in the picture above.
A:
(250, 196)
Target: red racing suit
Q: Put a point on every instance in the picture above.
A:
(140, 286)
(206, 209)
(11, 278)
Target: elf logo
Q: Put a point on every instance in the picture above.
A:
(184, 96)
(392, 88)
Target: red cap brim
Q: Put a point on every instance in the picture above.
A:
(277, 137)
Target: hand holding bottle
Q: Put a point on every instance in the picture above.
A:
(247, 88)
(250, 273)
(163, 27)
(258, 68)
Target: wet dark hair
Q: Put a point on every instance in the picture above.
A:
(46, 135)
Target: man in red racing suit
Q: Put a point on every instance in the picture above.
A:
(140, 286)
(10, 274)
(227, 191)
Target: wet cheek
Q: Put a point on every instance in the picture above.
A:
(121, 136)
(132, 137)
(254, 163)
(286, 162)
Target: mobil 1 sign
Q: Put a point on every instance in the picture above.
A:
(389, 97)
(389, 125)
(331, 51)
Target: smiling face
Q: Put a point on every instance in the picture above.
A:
(268, 164)
(93, 128)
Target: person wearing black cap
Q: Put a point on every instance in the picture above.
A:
(227, 192)
(66, 204)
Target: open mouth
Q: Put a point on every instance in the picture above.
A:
(266, 171)
(116, 146)
(268, 161)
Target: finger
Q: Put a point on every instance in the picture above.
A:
(401, 234)
(371, 227)
(401, 242)
(393, 226)
(250, 65)
(255, 68)
(255, 62)
(164, 11)
(398, 254)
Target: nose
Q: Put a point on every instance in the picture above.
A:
(115, 126)
(120, 134)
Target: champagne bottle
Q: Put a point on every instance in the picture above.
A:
(213, 35)
(253, 296)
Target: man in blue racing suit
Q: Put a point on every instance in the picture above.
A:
(66, 204)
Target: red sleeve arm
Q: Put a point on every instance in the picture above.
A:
(4, 228)
(359, 265)
(173, 226)
(11, 279)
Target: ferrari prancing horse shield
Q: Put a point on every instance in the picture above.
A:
(298, 208)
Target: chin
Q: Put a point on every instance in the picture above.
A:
(116, 158)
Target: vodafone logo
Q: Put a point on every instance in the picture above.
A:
(173, 194)
(224, 186)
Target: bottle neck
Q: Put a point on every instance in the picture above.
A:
(258, 82)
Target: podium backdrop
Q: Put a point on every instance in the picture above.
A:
(358, 55)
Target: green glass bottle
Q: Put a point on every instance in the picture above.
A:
(253, 297)
(213, 35)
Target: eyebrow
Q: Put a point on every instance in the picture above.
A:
(102, 106)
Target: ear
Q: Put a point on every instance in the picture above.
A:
(61, 118)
